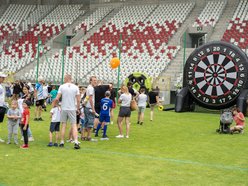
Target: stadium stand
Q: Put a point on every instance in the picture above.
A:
(210, 14)
(145, 30)
(237, 28)
(93, 19)
(23, 51)
(35, 16)
(12, 18)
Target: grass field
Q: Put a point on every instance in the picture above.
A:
(174, 149)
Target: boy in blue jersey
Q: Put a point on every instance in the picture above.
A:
(106, 106)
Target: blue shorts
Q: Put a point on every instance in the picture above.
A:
(104, 118)
(54, 126)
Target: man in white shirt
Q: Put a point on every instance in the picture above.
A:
(2, 99)
(89, 110)
(69, 108)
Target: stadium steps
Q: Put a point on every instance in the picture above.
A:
(177, 37)
(55, 6)
(99, 25)
(175, 68)
(222, 24)
(87, 13)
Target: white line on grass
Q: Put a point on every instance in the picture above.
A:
(219, 166)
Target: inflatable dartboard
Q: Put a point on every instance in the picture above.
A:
(138, 80)
(215, 74)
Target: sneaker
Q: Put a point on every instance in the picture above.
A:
(96, 135)
(55, 145)
(16, 143)
(141, 123)
(8, 142)
(119, 136)
(76, 146)
(36, 119)
(127, 136)
(31, 139)
(83, 138)
(1, 140)
(138, 122)
(104, 139)
(24, 146)
(50, 144)
(61, 145)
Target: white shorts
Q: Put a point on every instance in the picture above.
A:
(68, 115)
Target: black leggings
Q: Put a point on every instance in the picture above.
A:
(2, 113)
(25, 134)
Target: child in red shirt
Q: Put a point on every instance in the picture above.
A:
(239, 119)
(25, 124)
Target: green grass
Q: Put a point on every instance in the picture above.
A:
(174, 149)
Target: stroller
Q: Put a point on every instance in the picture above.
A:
(226, 119)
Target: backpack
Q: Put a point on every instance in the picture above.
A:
(226, 117)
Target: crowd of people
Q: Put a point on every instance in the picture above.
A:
(87, 109)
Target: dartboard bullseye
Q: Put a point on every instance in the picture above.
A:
(216, 73)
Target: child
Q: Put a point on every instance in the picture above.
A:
(106, 106)
(25, 124)
(239, 119)
(142, 99)
(54, 126)
(13, 116)
(20, 107)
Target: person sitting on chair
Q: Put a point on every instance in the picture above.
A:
(239, 120)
